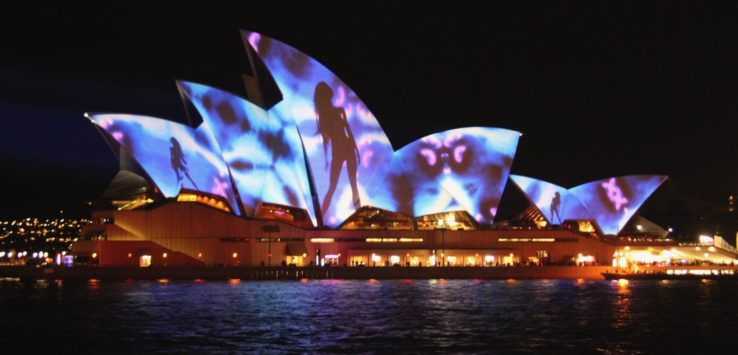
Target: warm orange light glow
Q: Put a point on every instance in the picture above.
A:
(234, 281)
(526, 240)
(164, 255)
(94, 255)
(163, 281)
(623, 282)
(205, 200)
(581, 259)
(199, 255)
(130, 255)
(235, 255)
(322, 240)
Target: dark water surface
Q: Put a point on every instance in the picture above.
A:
(369, 316)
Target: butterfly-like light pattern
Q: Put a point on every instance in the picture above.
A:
(611, 202)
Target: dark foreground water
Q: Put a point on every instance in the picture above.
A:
(365, 316)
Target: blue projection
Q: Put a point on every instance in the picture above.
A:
(263, 151)
(348, 152)
(394, 192)
(174, 155)
(556, 203)
(459, 169)
(320, 124)
(613, 201)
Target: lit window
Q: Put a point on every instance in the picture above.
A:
(144, 261)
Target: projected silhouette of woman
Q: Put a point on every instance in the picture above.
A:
(555, 203)
(178, 161)
(334, 128)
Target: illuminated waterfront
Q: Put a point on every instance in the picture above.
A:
(375, 316)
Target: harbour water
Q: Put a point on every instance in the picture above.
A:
(369, 316)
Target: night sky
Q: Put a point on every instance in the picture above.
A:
(598, 90)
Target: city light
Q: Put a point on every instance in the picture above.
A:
(322, 240)
(582, 259)
(376, 258)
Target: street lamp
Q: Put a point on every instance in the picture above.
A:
(270, 229)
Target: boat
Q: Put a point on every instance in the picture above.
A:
(667, 276)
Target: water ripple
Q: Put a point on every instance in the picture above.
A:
(338, 316)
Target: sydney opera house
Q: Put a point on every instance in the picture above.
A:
(300, 173)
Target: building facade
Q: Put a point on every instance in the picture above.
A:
(301, 173)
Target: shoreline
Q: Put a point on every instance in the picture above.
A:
(359, 273)
(298, 273)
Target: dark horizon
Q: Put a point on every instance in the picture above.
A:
(596, 90)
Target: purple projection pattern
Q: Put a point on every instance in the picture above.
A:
(174, 155)
(347, 151)
(610, 202)
(613, 201)
(263, 152)
(556, 203)
(459, 169)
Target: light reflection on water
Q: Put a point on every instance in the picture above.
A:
(372, 315)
